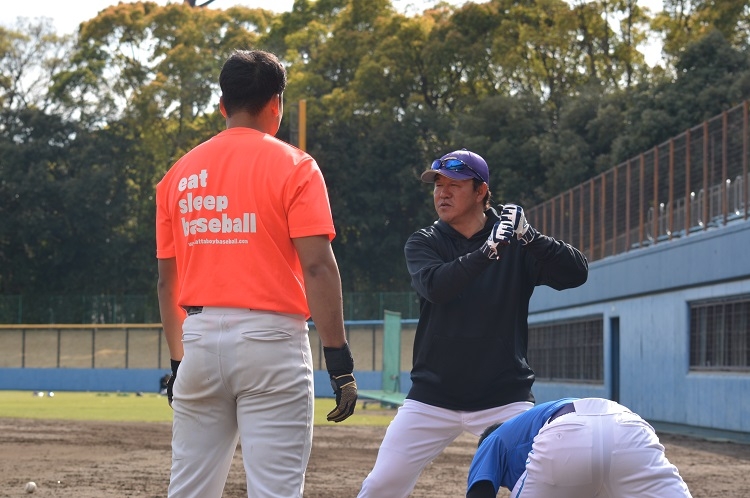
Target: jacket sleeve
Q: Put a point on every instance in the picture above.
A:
(559, 265)
(437, 280)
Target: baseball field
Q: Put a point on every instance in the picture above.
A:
(87, 445)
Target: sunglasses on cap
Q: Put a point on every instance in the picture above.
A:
(453, 164)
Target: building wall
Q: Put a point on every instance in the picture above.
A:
(649, 290)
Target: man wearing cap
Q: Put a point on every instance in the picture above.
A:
(474, 271)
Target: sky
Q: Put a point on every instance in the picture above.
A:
(67, 15)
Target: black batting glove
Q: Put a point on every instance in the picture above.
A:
(340, 365)
(170, 382)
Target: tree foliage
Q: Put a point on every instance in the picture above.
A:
(683, 22)
(551, 93)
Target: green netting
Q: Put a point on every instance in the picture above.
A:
(143, 308)
(73, 308)
(370, 305)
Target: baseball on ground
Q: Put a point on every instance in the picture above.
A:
(30, 487)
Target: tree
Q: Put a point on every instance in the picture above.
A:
(66, 206)
(155, 61)
(505, 130)
(711, 78)
(31, 55)
(148, 75)
(550, 93)
(685, 21)
(370, 164)
(610, 34)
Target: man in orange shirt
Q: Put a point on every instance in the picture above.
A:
(243, 231)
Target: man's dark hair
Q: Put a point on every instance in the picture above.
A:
(487, 196)
(249, 79)
(489, 430)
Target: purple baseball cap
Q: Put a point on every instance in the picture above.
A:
(459, 165)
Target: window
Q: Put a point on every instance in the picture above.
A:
(570, 351)
(720, 334)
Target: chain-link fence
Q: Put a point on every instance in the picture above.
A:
(79, 309)
(96, 309)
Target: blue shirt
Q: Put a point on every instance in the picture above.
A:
(501, 458)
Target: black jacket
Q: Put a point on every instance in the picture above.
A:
(471, 340)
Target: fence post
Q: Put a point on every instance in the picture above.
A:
(745, 139)
(571, 215)
(671, 188)
(628, 188)
(688, 204)
(724, 173)
(591, 219)
(705, 206)
(641, 197)
(603, 207)
(614, 210)
(657, 211)
(581, 225)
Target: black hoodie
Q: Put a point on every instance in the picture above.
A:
(471, 340)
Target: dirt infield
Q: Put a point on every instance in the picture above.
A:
(95, 459)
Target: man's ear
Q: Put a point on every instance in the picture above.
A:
(275, 106)
(222, 109)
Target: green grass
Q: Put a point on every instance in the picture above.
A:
(148, 407)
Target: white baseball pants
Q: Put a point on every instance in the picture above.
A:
(417, 434)
(600, 450)
(245, 375)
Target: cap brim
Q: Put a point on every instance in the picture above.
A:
(429, 175)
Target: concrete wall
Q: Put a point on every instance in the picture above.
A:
(81, 379)
(141, 380)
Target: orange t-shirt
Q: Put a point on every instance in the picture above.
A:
(228, 211)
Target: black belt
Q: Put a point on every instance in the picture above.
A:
(193, 310)
(567, 408)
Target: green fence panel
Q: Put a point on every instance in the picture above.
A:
(391, 352)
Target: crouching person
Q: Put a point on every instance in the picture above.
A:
(574, 448)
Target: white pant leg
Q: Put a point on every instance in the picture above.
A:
(204, 425)
(417, 434)
(639, 467)
(601, 450)
(248, 372)
(560, 464)
(274, 404)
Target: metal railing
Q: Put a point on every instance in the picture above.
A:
(692, 182)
